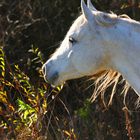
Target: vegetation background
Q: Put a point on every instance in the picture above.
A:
(30, 30)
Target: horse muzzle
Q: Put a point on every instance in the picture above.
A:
(50, 76)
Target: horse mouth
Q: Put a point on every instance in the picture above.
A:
(53, 79)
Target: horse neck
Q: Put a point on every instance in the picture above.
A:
(126, 58)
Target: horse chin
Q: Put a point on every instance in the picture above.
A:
(57, 83)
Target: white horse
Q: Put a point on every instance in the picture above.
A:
(98, 43)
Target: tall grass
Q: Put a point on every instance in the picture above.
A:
(24, 106)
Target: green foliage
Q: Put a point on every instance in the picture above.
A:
(23, 104)
(18, 87)
(85, 111)
(27, 114)
(38, 58)
(2, 64)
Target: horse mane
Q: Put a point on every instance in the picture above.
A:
(110, 19)
(124, 16)
(108, 79)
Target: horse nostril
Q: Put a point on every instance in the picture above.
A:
(46, 67)
(54, 77)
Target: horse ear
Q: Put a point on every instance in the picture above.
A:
(105, 19)
(86, 11)
(90, 6)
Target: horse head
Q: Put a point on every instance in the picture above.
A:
(95, 42)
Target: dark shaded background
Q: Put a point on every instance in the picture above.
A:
(43, 24)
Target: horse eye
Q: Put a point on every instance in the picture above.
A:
(72, 40)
